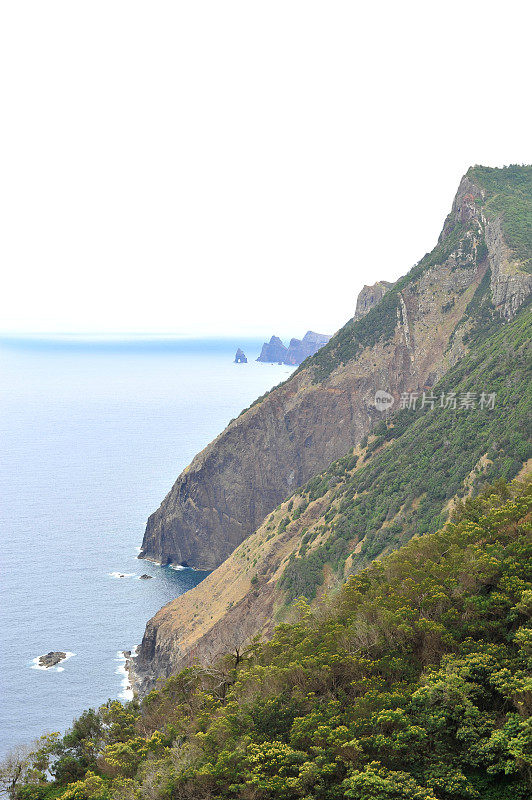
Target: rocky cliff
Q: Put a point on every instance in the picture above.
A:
(369, 297)
(363, 505)
(404, 342)
(273, 351)
(300, 349)
(420, 330)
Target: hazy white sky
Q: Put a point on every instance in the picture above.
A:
(240, 167)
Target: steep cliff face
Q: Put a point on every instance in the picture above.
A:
(300, 349)
(273, 351)
(369, 297)
(405, 479)
(404, 342)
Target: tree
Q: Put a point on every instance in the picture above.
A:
(26, 764)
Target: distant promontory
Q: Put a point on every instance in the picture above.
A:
(297, 351)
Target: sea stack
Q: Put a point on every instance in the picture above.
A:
(240, 357)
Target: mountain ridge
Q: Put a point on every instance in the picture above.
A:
(407, 340)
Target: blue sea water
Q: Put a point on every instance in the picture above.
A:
(92, 436)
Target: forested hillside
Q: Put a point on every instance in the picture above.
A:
(413, 683)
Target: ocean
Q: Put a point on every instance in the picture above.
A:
(93, 434)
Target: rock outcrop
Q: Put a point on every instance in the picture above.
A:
(273, 351)
(510, 286)
(369, 297)
(51, 659)
(240, 357)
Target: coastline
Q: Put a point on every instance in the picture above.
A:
(129, 669)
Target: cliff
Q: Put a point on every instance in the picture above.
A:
(404, 480)
(442, 327)
(406, 341)
(273, 351)
(369, 297)
(300, 349)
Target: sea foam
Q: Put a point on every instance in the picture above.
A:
(126, 692)
(121, 574)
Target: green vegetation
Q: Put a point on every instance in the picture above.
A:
(414, 683)
(421, 459)
(510, 195)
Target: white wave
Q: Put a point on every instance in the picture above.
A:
(178, 566)
(126, 692)
(122, 574)
(35, 663)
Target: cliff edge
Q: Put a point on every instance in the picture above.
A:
(402, 342)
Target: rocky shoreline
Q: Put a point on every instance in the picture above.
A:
(130, 656)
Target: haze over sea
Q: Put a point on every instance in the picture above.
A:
(93, 434)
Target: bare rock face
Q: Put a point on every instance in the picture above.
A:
(509, 286)
(369, 297)
(273, 351)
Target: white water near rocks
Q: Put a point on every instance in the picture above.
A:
(92, 438)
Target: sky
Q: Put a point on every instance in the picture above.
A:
(240, 168)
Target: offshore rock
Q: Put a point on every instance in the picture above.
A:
(51, 659)
(240, 357)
